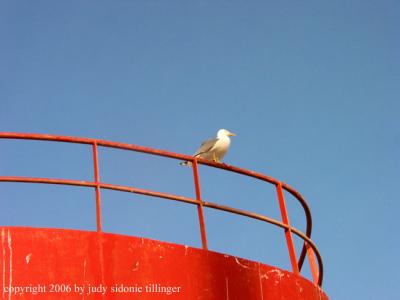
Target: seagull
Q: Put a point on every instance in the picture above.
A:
(213, 149)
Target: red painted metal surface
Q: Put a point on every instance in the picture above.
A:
(69, 264)
(308, 248)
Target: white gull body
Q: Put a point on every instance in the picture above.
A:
(214, 149)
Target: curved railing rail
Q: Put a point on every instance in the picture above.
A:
(309, 248)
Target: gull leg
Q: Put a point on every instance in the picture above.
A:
(215, 159)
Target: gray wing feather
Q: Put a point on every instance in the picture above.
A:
(206, 146)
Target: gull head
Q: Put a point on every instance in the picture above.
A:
(224, 132)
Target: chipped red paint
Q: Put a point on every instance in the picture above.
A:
(62, 259)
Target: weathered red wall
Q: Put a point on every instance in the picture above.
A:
(59, 261)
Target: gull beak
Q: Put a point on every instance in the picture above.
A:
(231, 134)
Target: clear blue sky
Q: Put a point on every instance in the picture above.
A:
(310, 87)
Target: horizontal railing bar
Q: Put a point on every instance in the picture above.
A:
(78, 140)
(148, 193)
(47, 181)
(101, 185)
(46, 137)
(246, 214)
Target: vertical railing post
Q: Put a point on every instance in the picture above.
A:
(97, 187)
(200, 204)
(313, 264)
(288, 232)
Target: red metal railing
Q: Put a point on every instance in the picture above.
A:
(309, 249)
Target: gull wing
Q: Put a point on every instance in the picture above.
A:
(206, 146)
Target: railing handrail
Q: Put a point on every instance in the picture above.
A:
(97, 184)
